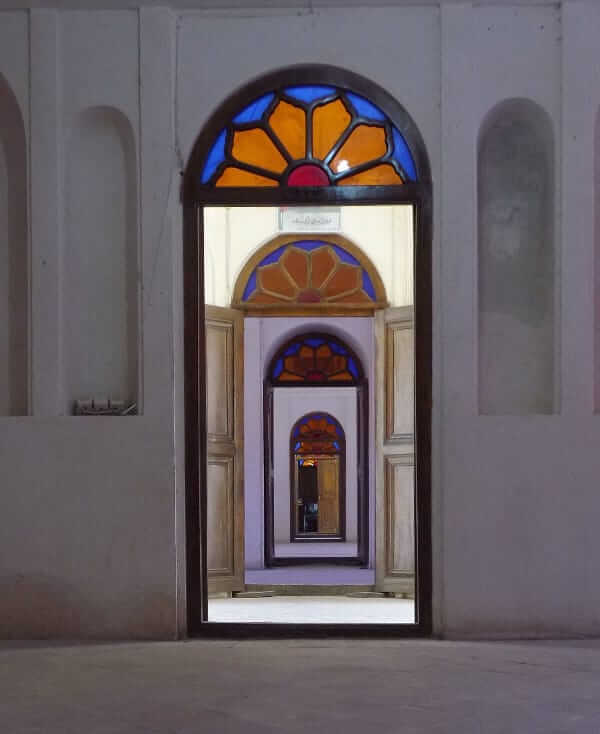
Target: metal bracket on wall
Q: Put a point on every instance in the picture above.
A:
(103, 406)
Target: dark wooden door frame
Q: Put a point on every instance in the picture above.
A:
(195, 197)
(362, 431)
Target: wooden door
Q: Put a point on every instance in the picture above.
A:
(395, 472)
(225, 449)
(328, 478)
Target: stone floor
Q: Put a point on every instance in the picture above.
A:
(269, 687)
(312, 610)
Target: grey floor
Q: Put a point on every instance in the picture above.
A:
(346, 687)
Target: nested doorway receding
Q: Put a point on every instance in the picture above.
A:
(308, 141)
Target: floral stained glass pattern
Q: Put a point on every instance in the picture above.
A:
(310, 273)
(317, 433)
(309, 136)
(310, 360)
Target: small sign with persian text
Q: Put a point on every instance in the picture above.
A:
(309, 219)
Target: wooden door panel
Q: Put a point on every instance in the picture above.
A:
(329, 495)
(400, 526)
(219, 516)
(220, 379)
(395, 476)
(224, 413)
(400, 381)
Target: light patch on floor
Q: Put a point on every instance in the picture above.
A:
(312, 610)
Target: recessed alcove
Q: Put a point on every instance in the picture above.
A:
(516, 260)
(13, 257)
(100, 262)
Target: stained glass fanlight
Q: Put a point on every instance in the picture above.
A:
(309, 135)
(315, 359)
(309, 273)
(317, 433)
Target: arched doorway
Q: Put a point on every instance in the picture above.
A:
(317, 479)
(313, 135)
(314, 363)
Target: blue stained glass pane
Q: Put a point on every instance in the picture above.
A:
(294, 349)
(309, 93)
(278, 369)
(308, 245)
(368, 285)
(352, 367)
(314, 342)
(297, 446)
(273, 257)
(300, 462)
(250, 286)
(337, 348)
(345, 256)
(403, 155)
(255, 110)
(215, 157)
(336, 444)
(366, 108)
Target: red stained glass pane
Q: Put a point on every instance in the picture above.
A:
(308, 175)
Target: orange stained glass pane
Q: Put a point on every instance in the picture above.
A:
(383, 174)
(323, 356)
(258, 297)
(337, 363)
(306, 353)
(365, 143)
(328, 123)
(233, 176)
(358, 296)
(341, 377)
(323, 261)
(273, 280)
(324, 351)
(346, 278)
(289, 124)
(256, 148)
(292, 364)
(289, 377)
(296, 263)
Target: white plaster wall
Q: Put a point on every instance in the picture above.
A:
(87, 504)
(88, 527)
(289, 405)
(384, 234)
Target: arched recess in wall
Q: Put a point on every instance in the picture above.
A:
(13, 257)
(100, 310)
(516, 260)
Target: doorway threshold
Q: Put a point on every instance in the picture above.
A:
(311, 575)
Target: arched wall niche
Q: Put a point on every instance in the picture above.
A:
(14, 372)
(515, 166)
(101, 303)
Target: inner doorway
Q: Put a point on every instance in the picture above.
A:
(232, 168)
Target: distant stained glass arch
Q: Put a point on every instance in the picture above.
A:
(318, 433)
(315, 359)
(309, 135)
(325, 273)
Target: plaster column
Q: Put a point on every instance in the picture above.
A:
(46, 205)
